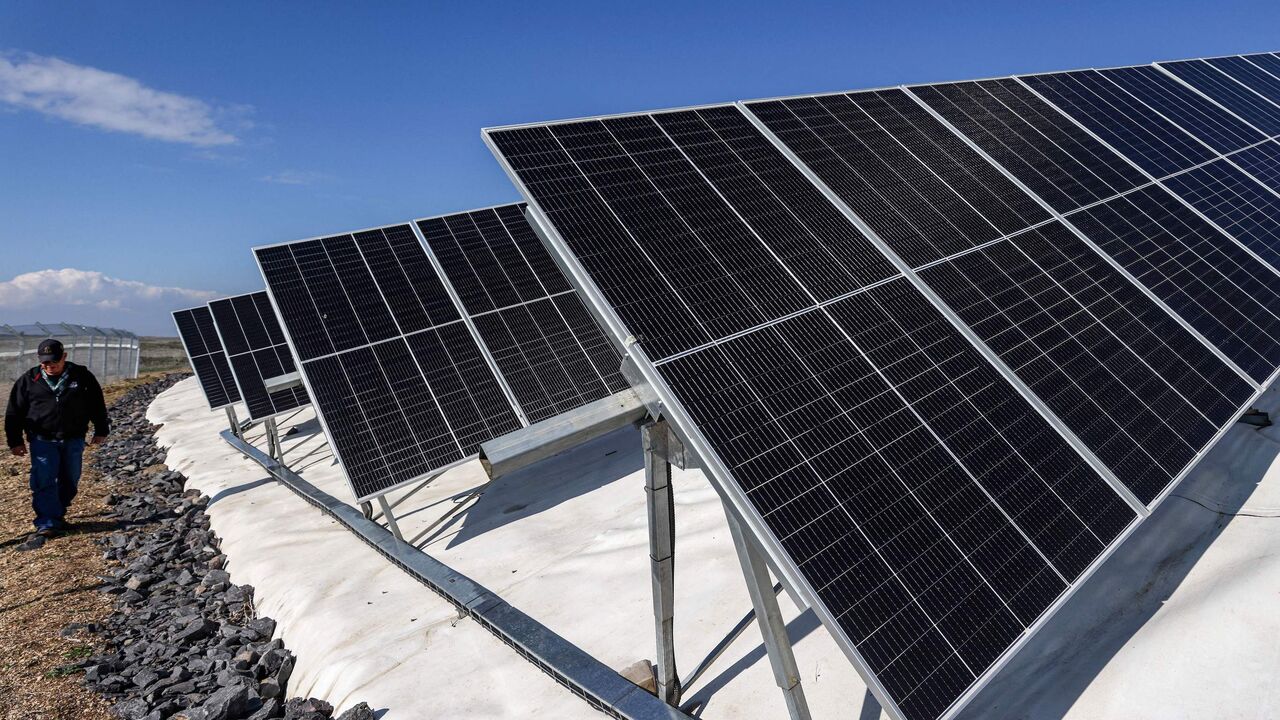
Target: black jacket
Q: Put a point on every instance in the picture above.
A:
(34, 410)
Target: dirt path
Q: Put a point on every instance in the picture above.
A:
(43, 591)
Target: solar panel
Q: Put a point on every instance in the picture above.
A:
(1250, 72)
(1254, 108)
(863, 464)
(1183, 106)
(1230, 198)
(204, 350)
(940, 346)
(417, 349)
(400, 384)
(257, 351)
(1123, 122)
(543, 341)
(1059, 161)
(1213, 283)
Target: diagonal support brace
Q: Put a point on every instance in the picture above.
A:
(769, 617)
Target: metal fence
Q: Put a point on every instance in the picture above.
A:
(110, 353)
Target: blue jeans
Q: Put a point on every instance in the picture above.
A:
(55, 477)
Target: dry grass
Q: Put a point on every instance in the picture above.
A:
(44, 590)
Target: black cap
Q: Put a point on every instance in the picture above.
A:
(50, 351)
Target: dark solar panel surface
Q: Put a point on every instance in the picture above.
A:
(256, 350)
(925, 192)
(1215, 285)
(672, 247)
(1262, 162)
(396, 403)
(879, 447)
(1248, 71)
(1126, 124)
(1057, 160)
(1137, 388)
(208, 360)
(1190, 111)
(1239, 205)
(527, 315)
(1232, 95)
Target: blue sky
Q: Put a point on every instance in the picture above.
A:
(148, 146)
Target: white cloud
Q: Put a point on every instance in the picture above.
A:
(91, 298)
(107, 100)
(296, 177)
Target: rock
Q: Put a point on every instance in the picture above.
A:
(145, 677)
(269, 688)
(641, 672)
(270, 710)
(198, 629)
(184, 640)
(361, 711)
(134, 709)
(285, 671)
(229, 703)
(299, 708)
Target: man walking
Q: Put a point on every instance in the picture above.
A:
(52, 406)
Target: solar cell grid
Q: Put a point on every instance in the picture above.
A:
(493, 263)
(1140, 391)
(890, 185)
(1181, 105)
(1121, 121)
(1060, 162)
(256, 351)
(1213, 283)
(396, 403)
(1202, 76)
(827, 255)
(850, 481)
(208, 360)
(1236, 203)
(1262, 162)
(707, 177)
(1270, 62)
(1250, 74)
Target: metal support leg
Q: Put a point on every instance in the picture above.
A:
(391, 518)
(273, 440)
(769, 618)
(235, 422)
(662, 539)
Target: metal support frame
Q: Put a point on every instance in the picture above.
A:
(390, 517)
(769, 617)
(658, 445)
(236, 428)
(585, 676)
(274, 449)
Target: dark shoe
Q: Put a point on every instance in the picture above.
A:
(48, 532)
(63, 527)
(35, 542)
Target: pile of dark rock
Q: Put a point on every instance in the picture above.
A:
(184, 641)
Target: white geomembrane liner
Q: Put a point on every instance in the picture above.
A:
(1182, 622)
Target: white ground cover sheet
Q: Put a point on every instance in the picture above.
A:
(1182, 622)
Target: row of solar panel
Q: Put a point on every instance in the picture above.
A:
(944, 344)
(411, 357)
